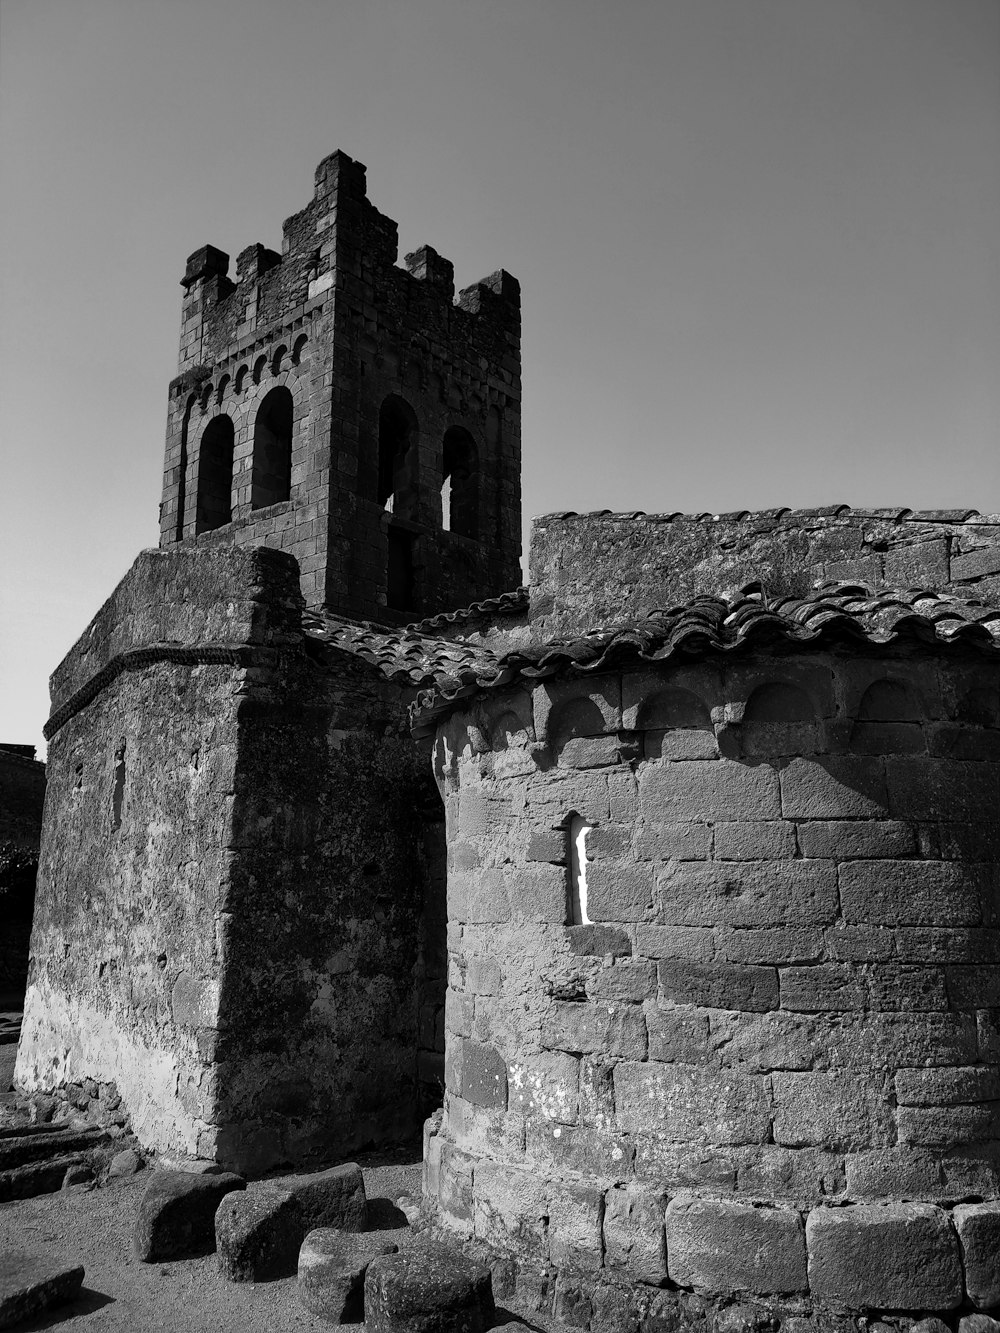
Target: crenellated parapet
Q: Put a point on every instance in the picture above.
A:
(407, 394)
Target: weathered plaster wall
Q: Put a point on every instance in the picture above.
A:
(238, 858)
(788, 997)
(127, 944)
(657, 560)
(126, 948)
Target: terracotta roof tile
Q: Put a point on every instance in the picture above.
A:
(444, 670)
(788, 516)
(722, 625)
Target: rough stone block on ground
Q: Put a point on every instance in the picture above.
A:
(332, 1267)
(30, 1283)
(431, 1287)
(978, 1323)
(716, 1245)
(333, 1198)
(177, 1214)
(899, 1256)
(258, 1232)
(978, 1227)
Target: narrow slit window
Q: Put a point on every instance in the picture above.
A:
(118, 790)
(578, 830)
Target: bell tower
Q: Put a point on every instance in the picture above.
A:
(349, 411)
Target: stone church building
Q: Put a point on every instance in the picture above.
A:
(667, 888)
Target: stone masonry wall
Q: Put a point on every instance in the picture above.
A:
(781, 1027)
(22, 795)
(329, 987)
(602, 568)
(235, 860)
(343, 329)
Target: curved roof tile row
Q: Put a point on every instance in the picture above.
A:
(445, 671)
(896, 515)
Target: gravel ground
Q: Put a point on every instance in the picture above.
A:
(122, 1295)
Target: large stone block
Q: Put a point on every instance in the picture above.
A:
(694, 943)
(772, 840)
(595, 941)
(575, 1216)
(747, 893)
(837, 787)
(834, 1109)
(583, 1150)
(691, 1105)
(619, 890)
(911, 893)
(484, 1075)
(177, 1214)
(511, 1209)
(677, 1035)
(829, 986)
(901, 1256)
(707, 790)
(631, 981)
(333, 1198)
(808, 1175)
(860, 944)
(941, 789)
(947, 944)
(772, 945)
(717, 1245)
(428, 1287)
(258, 1232)
(946, 1126)
(947, 1087)
(545, 1085)
(718, 985)
(634, 1243)
(853, 839)
(331, 1272)
(532, 892)
(974, 987)
(978, 1227)
(615, 1030)
(913, 1172)
(673, 842)
(31, 1283)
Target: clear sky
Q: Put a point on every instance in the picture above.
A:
(758, 243)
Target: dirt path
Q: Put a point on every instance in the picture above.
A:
(187, 1296)
(122, 1295)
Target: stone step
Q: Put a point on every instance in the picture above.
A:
(21, 1127)
(30, 1283)
(20, 1149)
(24, 1182)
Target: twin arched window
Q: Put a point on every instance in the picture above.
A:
(271, 475)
